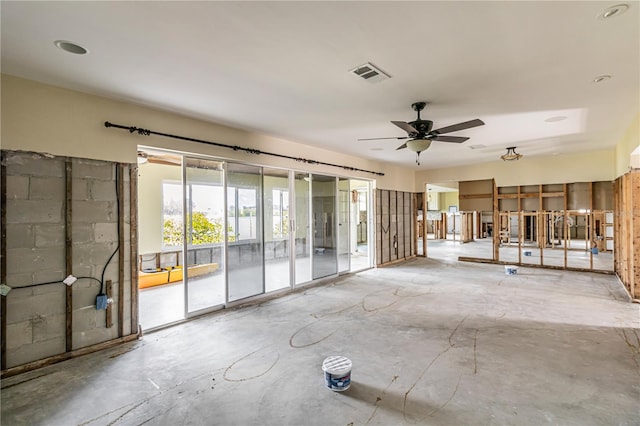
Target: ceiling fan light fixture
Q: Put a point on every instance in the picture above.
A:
(418, 145)
(511, 154)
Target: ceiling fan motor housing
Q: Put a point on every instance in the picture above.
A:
(422, 126)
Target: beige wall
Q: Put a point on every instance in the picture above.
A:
(583, 167)
(42, 118)
(628, 149)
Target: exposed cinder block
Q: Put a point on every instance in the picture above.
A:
(93, 254)
(23, 260)
(24, 308)
(86, 271)
(90, 169)
(94, 211)
(20, 236)
(34, 164)
(103, 190)
(100, 334)
(81, 233)
(79, 189)
(48, 276)
(84, 319)
(52, 235)
(105, 232)
(50, 288)
(84, 295)
(47, 188)
(48, 327)
(33, 352)
(34, 211)
(17, 187)
(17, 280)
(19, 334)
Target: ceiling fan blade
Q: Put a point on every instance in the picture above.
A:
(405, 126)
(377, 139)
(403, 146)
(460, 126)
(455, 139)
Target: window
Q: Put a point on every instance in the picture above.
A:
(205, 211)
(280, 213)
(242, 213)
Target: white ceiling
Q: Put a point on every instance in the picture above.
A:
(282, 68)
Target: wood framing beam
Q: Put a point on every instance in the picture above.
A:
(120, 201)
(3, 261)
(474, 196)
(133, 247)
(68, 222)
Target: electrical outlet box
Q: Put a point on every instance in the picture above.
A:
(101, 302)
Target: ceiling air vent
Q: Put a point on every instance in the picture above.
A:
(370, 73)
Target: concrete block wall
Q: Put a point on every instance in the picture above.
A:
(35, 217)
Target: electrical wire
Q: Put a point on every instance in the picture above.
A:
(118, 247)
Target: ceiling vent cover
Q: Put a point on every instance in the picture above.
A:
(370, 73)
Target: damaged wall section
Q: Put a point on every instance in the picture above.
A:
(64, 216)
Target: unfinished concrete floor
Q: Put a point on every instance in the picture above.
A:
(432, 342)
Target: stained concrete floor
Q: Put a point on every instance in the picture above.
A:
(432, 342)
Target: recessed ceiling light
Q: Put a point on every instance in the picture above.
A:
(612, 11)
(70, 47)
(601, 78)
(556, 118)
(376, 149)
(477, 146)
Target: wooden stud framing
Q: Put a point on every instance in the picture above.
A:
(133, 247)
(3, 262)
(68, 253)
(121, 239)
(496, 223)
(109, 311)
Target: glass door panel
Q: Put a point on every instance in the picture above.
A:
(302, 236)
(161, 239)
(245, 253)
(359, 226)
(343, 225)
(323, 191)
(276, 229)
(204, 195)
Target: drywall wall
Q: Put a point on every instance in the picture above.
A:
(583, 167)
(628, 149)
(43, 118)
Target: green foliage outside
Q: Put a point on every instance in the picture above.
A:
(203, 231)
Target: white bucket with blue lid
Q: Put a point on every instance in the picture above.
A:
(337, 372)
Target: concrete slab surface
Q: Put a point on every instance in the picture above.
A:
(431, 341)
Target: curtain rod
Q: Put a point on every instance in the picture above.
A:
(147, 132)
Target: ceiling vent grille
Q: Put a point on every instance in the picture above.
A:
(370, 73)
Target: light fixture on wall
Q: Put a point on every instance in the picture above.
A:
(511, 154)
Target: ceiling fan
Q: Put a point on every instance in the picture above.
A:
(420, 134)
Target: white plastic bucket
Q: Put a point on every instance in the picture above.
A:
(337, 373)
(510, 270)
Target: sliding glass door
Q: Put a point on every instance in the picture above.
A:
(245, 253)
(302, 225)
(276, 229)
(203, 268)
(323, 196)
